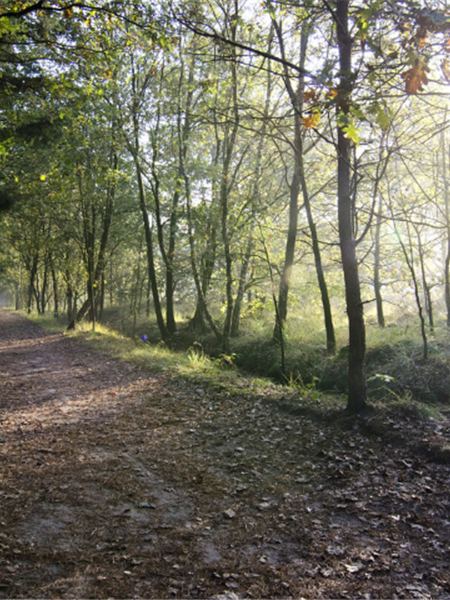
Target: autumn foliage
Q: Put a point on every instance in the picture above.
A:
(415, 78)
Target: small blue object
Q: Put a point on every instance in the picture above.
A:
(144, 337)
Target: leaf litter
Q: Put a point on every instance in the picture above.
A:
(120, 483)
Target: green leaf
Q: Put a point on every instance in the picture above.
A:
(352, 132)
(382, 115)
(383, 119)
(343, 120)
(358, 113)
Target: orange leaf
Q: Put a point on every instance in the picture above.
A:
(422, 41)
(310, 96)
(311, 120)
(415, 78)
(446, 69)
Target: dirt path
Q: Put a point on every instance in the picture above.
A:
(116, 483)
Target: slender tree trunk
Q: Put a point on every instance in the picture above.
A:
(357, 391)
(184, 130)
(447, 275)
(255, 202)
(69, 296)
(207, 263)
(101, 298)
(426, 288)
(150, 256)
(447, 226)
(18, 292)
(410, 263)
(201, 283)
(229, 145)
(36, 293)
(208, 254)
(242, 282)
(299, 182)
(135, 296)
(202, 307)
(96, 265)
(32, 270)
(55, 289)
(328, 318)
(135, 150)
(376, 267)
(291, 238)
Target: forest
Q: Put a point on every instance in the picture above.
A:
(224, 299)
(233, 174)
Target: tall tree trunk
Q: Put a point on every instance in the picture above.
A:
(376, 266)
(32, 270)
(409, 258)
(426, 288)
(326, 306)
(134, 146)
(447, 268)
(101, 298)
(357, 390)
(184, 130)
(69, 296)
(150, 255)
(101, 265)
(201, 303)
(242, 280)
(445, 181)
(255, 202)
(296, 98)
(207, 263)
(44, 286)
(96, 265)
(208, 253)
(55, 289)
(299, 182)
(291, 238)
(229, 145)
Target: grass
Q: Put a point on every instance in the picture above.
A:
(395, 369)
(190, 364)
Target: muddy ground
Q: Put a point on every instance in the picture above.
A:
(122, 483)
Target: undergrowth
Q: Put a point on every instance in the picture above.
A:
(396, 372)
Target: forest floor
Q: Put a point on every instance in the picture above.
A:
(121, 483)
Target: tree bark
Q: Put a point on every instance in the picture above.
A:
(426, 288)
(150, 255)
(32, 270)
(299, 182)
(207, 263)
(201, 302)
(409, 258)
(376, 266)
(246, 261)
(447, 226)
(55, 289)
(357, 391)
(230, 140)
(291, 238)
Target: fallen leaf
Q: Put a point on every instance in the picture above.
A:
(353, 568)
